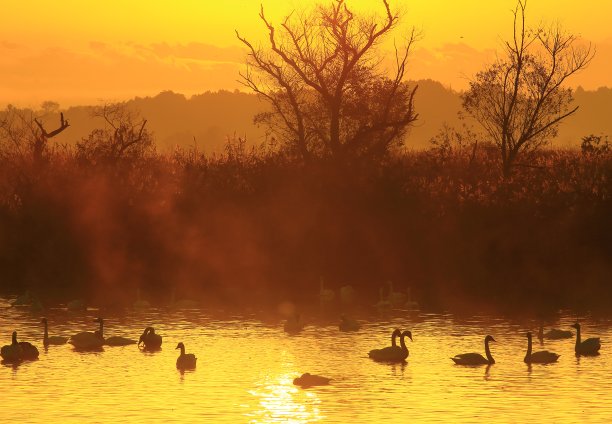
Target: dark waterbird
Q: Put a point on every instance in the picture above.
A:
(18, 351)
(541, 357)
(310, 380)
(392, 353)
(554, 334)
(348, 324)
(115, 340)
(476, 358)
(185, 361)
(53, 340)
(89, 340)
(587, 347)
(149, 339)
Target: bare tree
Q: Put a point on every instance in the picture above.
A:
(521, 99)
(322, 76)
(125, 136)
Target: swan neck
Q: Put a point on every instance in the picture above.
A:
(403, 343)
(488, 353)
(577, 336)
(529, 347)
(182, 350)
(101, 328)
(393, 339)
(14, 338)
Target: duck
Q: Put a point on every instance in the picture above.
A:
(140, 303)
(115, 340)
(396, 298)
(185, 360)
(294, 324)
(12, 352)
(326, 296)
(348, 324)
(392, 353)
(89, 340)
(541, 357)
(150, 340)
(309, 380)
(476, 358)
(587, 347)
(53, 340)
(554, 334)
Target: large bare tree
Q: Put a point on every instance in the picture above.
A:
(322, 75)
(521, 99)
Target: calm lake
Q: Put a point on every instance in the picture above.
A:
(246, 365)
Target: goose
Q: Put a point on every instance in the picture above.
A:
(396, 298)
(541, 357)
(53, 340)
(185, 360)
(12, 352)
(115, 340)
(326, 296)
(309, 380)
(392, 353)
(294, 324)
(554, 334)
(348, 324)
(587, 347)
(87, 340)
(140, 303)
(150, 340)
(476, 358)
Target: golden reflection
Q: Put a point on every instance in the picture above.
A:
(281, 401)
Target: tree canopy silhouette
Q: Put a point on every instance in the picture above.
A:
(520, 100)
(323, 77)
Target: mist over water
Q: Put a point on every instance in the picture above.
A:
(246, 364)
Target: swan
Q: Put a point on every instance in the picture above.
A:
(587, 347)
(53, 340)
(294, 324)
(309, 380)
(115, 340)
(541, 357)
(182, 303)
(396, 298)
(12, 352)
(383, 304)
(185, 360)
(149, 339)
(87, 340)
(347, 294)
(348, 324)
(392, 353)
(140, 303)
(554, 334)
(19, 351)
(77, 305)
(476, 358)
(326, 296)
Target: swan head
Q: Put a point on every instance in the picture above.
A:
(529, 335)
(407, 333)
(489, 339)
(397, 332)
(180, 346)
(576, 326)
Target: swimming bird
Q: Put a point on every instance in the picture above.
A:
(541, 357)
(149, 339)
(185, 361)
(554, 334)
(396, 298)
(115, 340)
(89, 340)
(12, 352)
(182, 303)
(347, 294)
(309, 380)
(383, 305)
(53, 340)
(140, 303)
(392, 353)
(587, 347)
(476, 358)
(294, 324)
(348, 324)
(326, 296)
(29, 352)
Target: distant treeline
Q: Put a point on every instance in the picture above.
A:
(252, 225)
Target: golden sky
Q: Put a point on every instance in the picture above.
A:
(75, 51)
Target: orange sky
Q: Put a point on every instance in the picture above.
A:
(75, 51)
